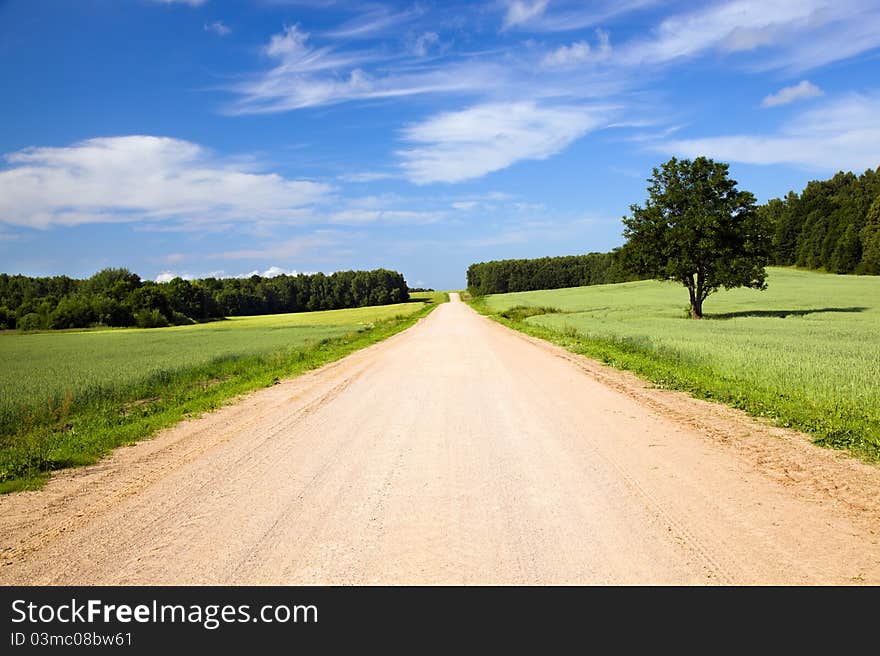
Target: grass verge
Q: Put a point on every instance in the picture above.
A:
(68, 434)
(843, 427)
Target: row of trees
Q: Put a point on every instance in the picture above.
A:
(502, 276)
(698, 229)
(832, 224)
(118, 297)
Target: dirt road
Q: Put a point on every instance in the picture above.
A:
(455, 452)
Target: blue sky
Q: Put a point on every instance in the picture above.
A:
(212, 137)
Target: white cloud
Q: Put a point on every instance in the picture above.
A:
(389, 209)
(218, 27)
(288, 44)
(468, 144)
(572, 15)
(802, 34)
(168, 276)
(840, 135)
(373, 23)
(801, 91)
(424, 43)
(142, 178)
(317, 70)
(728, 26)
(307, 76)
(579, 52)
(852, 31)
(522, 11)
(271, 272)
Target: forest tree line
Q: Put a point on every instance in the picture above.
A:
(502, 276)
(833, 225)
(118, 297)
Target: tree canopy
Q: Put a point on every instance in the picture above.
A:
(699, 229)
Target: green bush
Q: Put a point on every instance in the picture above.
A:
(180, 319)
(72, 312)
(30, 321)
(150, 319)
(523, 312)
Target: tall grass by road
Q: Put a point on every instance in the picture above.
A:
(67, 398)
(805, 353)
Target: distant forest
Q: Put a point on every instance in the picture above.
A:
(118, 297)
(502, 276)
(832, 224)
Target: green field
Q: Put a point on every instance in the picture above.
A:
(805, 352)
(66, 398)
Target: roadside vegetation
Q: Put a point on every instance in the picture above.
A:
(68, 398)
(804, 353)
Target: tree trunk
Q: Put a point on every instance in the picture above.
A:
(696, 297)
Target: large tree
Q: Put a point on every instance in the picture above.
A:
(698, 229)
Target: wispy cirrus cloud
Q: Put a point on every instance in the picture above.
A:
(308, 76)
(386, 209)
(800, 91)
(373, 22)
(565, 16)
(316, 70)
(538, 79)
(461, 145)
(142, 178)
(843, 134)
(788, 34)
(218, 27)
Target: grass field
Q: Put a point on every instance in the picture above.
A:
(805, 352)
(67, 398)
